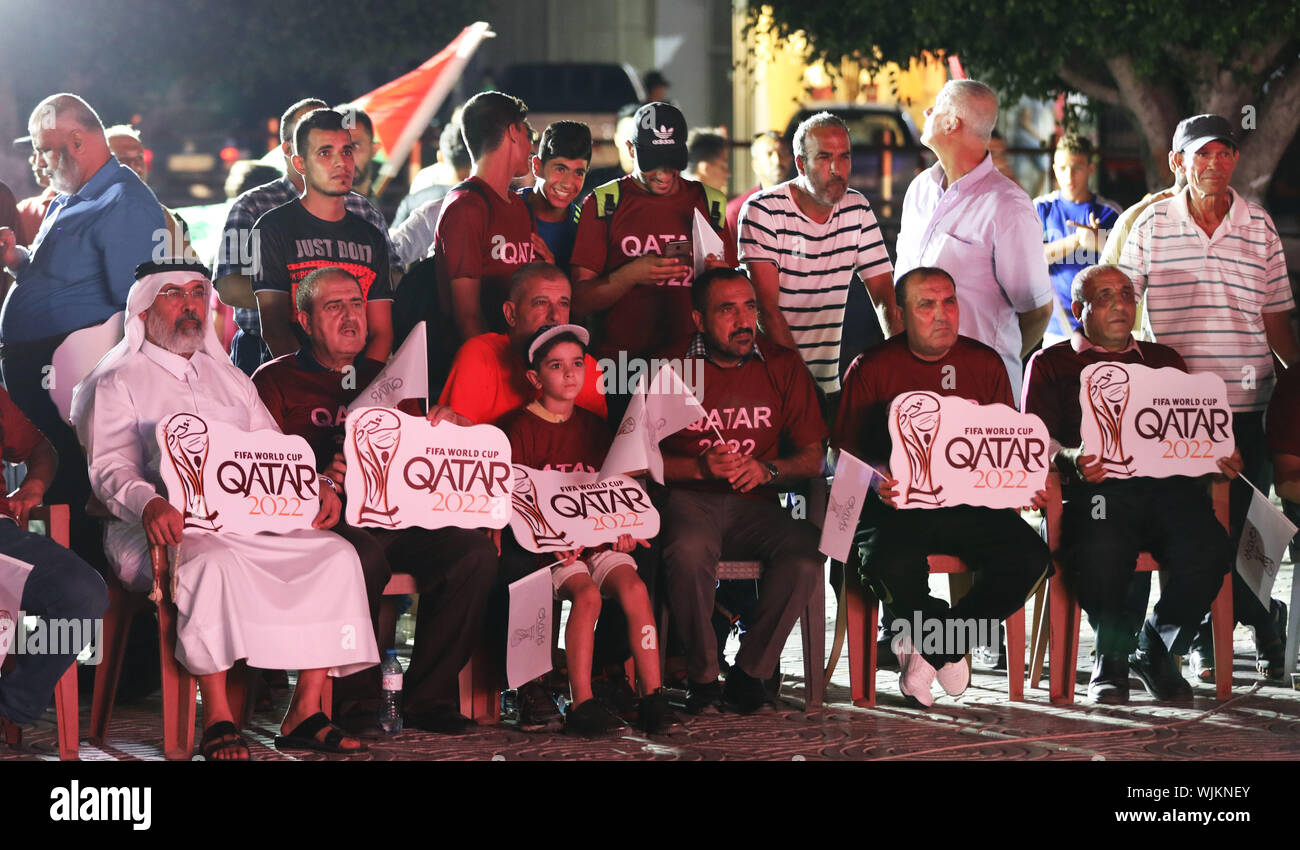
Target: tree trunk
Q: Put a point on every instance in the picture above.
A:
(1155, 113)
(1278, 117)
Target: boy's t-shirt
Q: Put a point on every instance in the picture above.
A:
(1056, 213)
(578, 444)
(558, 235)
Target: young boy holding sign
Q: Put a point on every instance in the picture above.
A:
(553, 433)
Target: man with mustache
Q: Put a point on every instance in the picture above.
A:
(319, 231)
(76, 273)
(763, 429)
(291, 601)
(1211, 266)
(963, 216)
(805, 242)
(1007, 556)
(1170, 517)
(307, 393)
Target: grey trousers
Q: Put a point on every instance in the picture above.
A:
(700, 529)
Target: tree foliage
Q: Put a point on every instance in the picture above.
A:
(1161, 61)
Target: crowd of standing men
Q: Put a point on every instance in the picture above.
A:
(538, 302)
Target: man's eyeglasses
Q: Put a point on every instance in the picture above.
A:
(178, 295)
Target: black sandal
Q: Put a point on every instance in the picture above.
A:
(223, 735)
(303, 737)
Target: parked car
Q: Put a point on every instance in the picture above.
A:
(591, 92)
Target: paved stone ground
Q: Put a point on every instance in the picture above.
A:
(1259, 722)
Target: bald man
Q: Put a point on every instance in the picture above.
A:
(77, 272)
(963, 216)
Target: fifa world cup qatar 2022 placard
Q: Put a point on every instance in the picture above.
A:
(951, 451)
(1154, 423)
(404, 472)
(224, 479)
(557, 511)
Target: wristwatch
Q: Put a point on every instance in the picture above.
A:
(329, 482)
(772, 471)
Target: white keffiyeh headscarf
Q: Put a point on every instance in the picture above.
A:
(141, 298)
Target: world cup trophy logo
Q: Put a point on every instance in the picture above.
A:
(527, 505)
(374, 437)
(186, 436)
(918, 426)
(1108, 392)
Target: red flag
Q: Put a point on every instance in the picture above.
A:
(402, 108)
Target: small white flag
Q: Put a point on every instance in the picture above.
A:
(668, 408)
(405, 376)
(528, 652)
(704, 241)
(1263, 541)
(844, 505)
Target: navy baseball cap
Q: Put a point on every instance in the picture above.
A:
(1198, 131)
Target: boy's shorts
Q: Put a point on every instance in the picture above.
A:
(598, 564)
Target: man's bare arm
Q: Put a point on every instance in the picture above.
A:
(465, 307)
(881, 289)
(379, 320)
(273, 308)
(766, 278)
(1032, 326)
(593, 293)
(236, 290)
(1277, 329)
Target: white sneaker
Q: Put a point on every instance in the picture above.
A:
(954, 677)
(915, 675)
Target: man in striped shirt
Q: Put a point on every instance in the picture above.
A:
(1215, 278)
(805, 240)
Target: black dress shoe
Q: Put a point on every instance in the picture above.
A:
(1109, 685)
(1157, 672)
(442, 719)
(744, 693)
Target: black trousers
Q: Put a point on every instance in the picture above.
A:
(1104, 527)
(28, 372)
(455, 570)
(1007, 558)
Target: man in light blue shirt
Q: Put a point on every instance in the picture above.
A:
(102, 224)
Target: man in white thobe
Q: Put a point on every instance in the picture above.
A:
(291, 601)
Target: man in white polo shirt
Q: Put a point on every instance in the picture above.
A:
(1212, 267)
(964, 217)
(805, 240)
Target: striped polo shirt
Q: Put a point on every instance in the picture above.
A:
(816, 264)
(1207, 295)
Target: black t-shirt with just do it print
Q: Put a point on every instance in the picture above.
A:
(292, 243)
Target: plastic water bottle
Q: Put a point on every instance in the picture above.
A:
(390, 712)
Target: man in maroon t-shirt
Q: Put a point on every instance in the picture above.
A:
(307, 393)
(1170, 517)
(485, 231)
(626, 262)
(763, 427)
(1006, 555)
